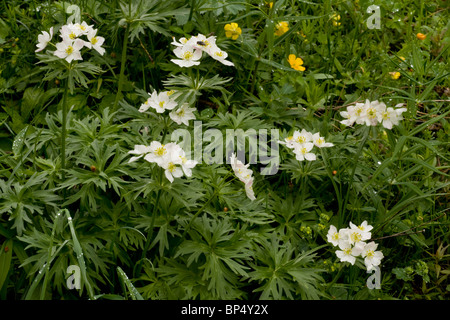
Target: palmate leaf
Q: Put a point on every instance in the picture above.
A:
(22, 200)
(148, 14)
(219, 250)
(281, 274)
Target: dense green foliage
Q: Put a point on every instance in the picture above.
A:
(135, 235)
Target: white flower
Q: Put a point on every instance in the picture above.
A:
(244, 175)
(160, 102)
(390, 116)
(371, 111)
(320, 141)
(302, 137)
(182, 42)
(371, 257)
(348, 252)
(288, 142)
(355, 114)
(302, 152)
(359, 233)
(95, 41)
(172, 164)
(44, 39)
(188, 55)
(335, 237)
(158, 152)
(220, 55)
(185, 163)
(145, 106)
(83, 28)
(201, 42)
(140, 150)
(69, 50)
(70, 31)
(183, 114)
(249, 190)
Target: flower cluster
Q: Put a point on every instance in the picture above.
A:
(351, 242)
(244, 174)
(371, 113)
(190, 51)
(303, 142)
(171, 157)
(72, 41)
(165, 100)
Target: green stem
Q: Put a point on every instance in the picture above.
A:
(122, 68)
(64, 132)
(330, 174)
(149, 234)
(355, 164)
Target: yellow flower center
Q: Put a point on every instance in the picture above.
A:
(72, 36)
(347, 251)
(356, 237)
(160, 151)
(369, 253)
(161, 104)
(69, 50)
(187, 55)
(94, 40)
(171, 167)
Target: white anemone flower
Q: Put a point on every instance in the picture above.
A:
(359, 233)
(44, 39)
(69, 50)
(371, 112)
(220, 55)
(158, 152)
(83, 28)
(320, 141)
(335, 237)
(302, 152)
(244, 175)
(348, 252)
(183, 114)
(302, 137)
(188, 56)
(390, 117)
(186, 164)
(140, 150)
(95, 42)
(371, 257)
(172, 162)
(249, 190)
(161, 101)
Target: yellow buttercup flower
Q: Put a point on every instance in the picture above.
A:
(282, 27)
(296, 63)
(232, 30)
(395, 75)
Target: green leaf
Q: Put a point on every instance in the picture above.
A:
(5, 260)
(135, 295)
